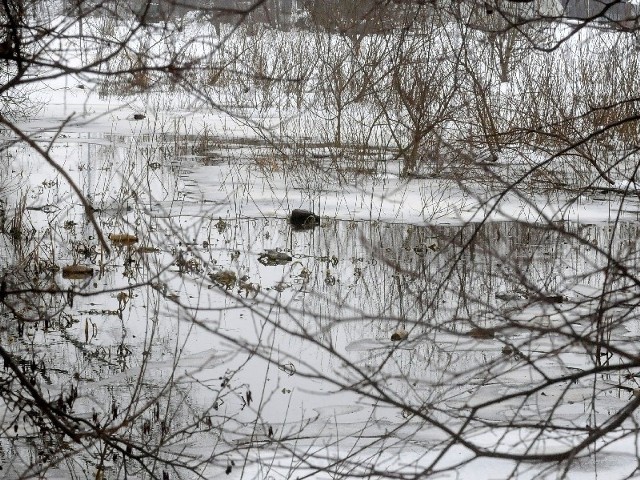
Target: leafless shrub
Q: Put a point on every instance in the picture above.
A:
(496, 340)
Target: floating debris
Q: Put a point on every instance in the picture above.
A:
(221, 225)
(303, 219)
(482, 333)
(187, 265)
(512, 351)
(509, 297)
(424, 248)
(224, 278)
(548, 298)
(281, 286)
(399, 335)
(248, 288)
(288, 368)
(76, 272)
(147, 249)
(274, 257)
(123, 238)
(123, 299)
(45, 208)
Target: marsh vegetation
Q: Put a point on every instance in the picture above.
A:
(457, 297)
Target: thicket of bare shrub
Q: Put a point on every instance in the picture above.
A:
(443, 91)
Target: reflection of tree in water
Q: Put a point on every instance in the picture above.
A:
(512, 320)
(492, 313)
(464, 266)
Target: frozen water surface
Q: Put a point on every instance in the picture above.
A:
(267, 369)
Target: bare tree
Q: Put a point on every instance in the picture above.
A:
(163, 318)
